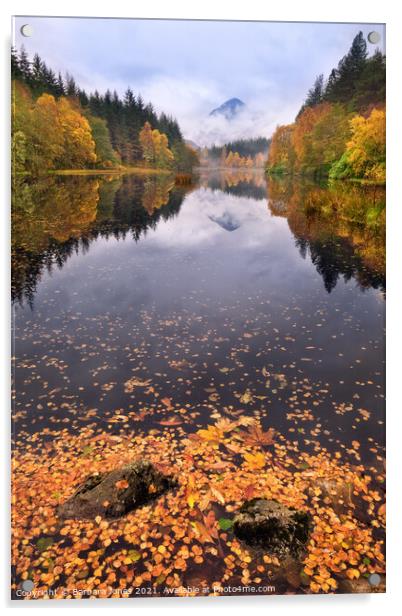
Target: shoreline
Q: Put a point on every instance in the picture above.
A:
(120, 171)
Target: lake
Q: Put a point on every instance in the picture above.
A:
(147, 308)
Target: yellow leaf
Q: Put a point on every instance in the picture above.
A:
(255, 461)
(218, 495)
(353, 574)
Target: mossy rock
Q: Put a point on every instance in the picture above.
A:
(281, 530)
(116, 493)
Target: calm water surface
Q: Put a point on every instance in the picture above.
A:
(230, 294)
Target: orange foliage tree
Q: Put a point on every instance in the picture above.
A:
(281, 155)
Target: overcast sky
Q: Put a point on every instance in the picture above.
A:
(187, 68)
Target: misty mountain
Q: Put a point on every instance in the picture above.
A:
(229, 109)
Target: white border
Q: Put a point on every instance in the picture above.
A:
(308, 10)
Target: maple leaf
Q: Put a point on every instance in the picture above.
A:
(256, 436)
(211, 434)
(255, 460)
(225, 425)
(245, 420)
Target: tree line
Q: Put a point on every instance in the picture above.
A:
(246, 153)
(340, 129)
(94, 130)
(244, 147)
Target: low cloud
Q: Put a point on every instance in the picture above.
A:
(191, 102)
(188, 68)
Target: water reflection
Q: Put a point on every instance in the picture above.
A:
(56, 217)
(340, 228)
(249, 183)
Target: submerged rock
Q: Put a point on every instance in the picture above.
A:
(339, 494)
(362, 585)
(281, 530)
(116, 493)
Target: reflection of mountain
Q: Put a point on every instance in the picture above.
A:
(55, 217)
(341, 228)
(227, 221)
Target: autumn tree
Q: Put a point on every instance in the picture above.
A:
(364, 156)
(340, 128)
(281, 156)
(147, 143)
(79, 146)
(163, 156)
(54, 133)
(124, 118)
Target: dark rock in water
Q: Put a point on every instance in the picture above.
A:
(116, 493)
(279, 529)
(339, 494)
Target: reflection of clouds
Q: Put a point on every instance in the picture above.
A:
(196, 223)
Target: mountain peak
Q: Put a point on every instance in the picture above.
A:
(229, 108)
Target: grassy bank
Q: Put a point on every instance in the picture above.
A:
(112, 171)
(322, 178)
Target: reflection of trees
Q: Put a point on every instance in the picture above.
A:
(342, 227)
(56, 217)
(238, 182)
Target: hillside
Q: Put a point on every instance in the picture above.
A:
(340, 129)
(112, 131)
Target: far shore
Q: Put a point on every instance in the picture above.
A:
(112, 171)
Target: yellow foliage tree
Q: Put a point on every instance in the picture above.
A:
(50, 133)
(147, 143)
(79, 146)
(155, 147)
(163, 156)
(364, 156)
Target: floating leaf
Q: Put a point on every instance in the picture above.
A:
(255, 460)
(225, 523)
(44, 543)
